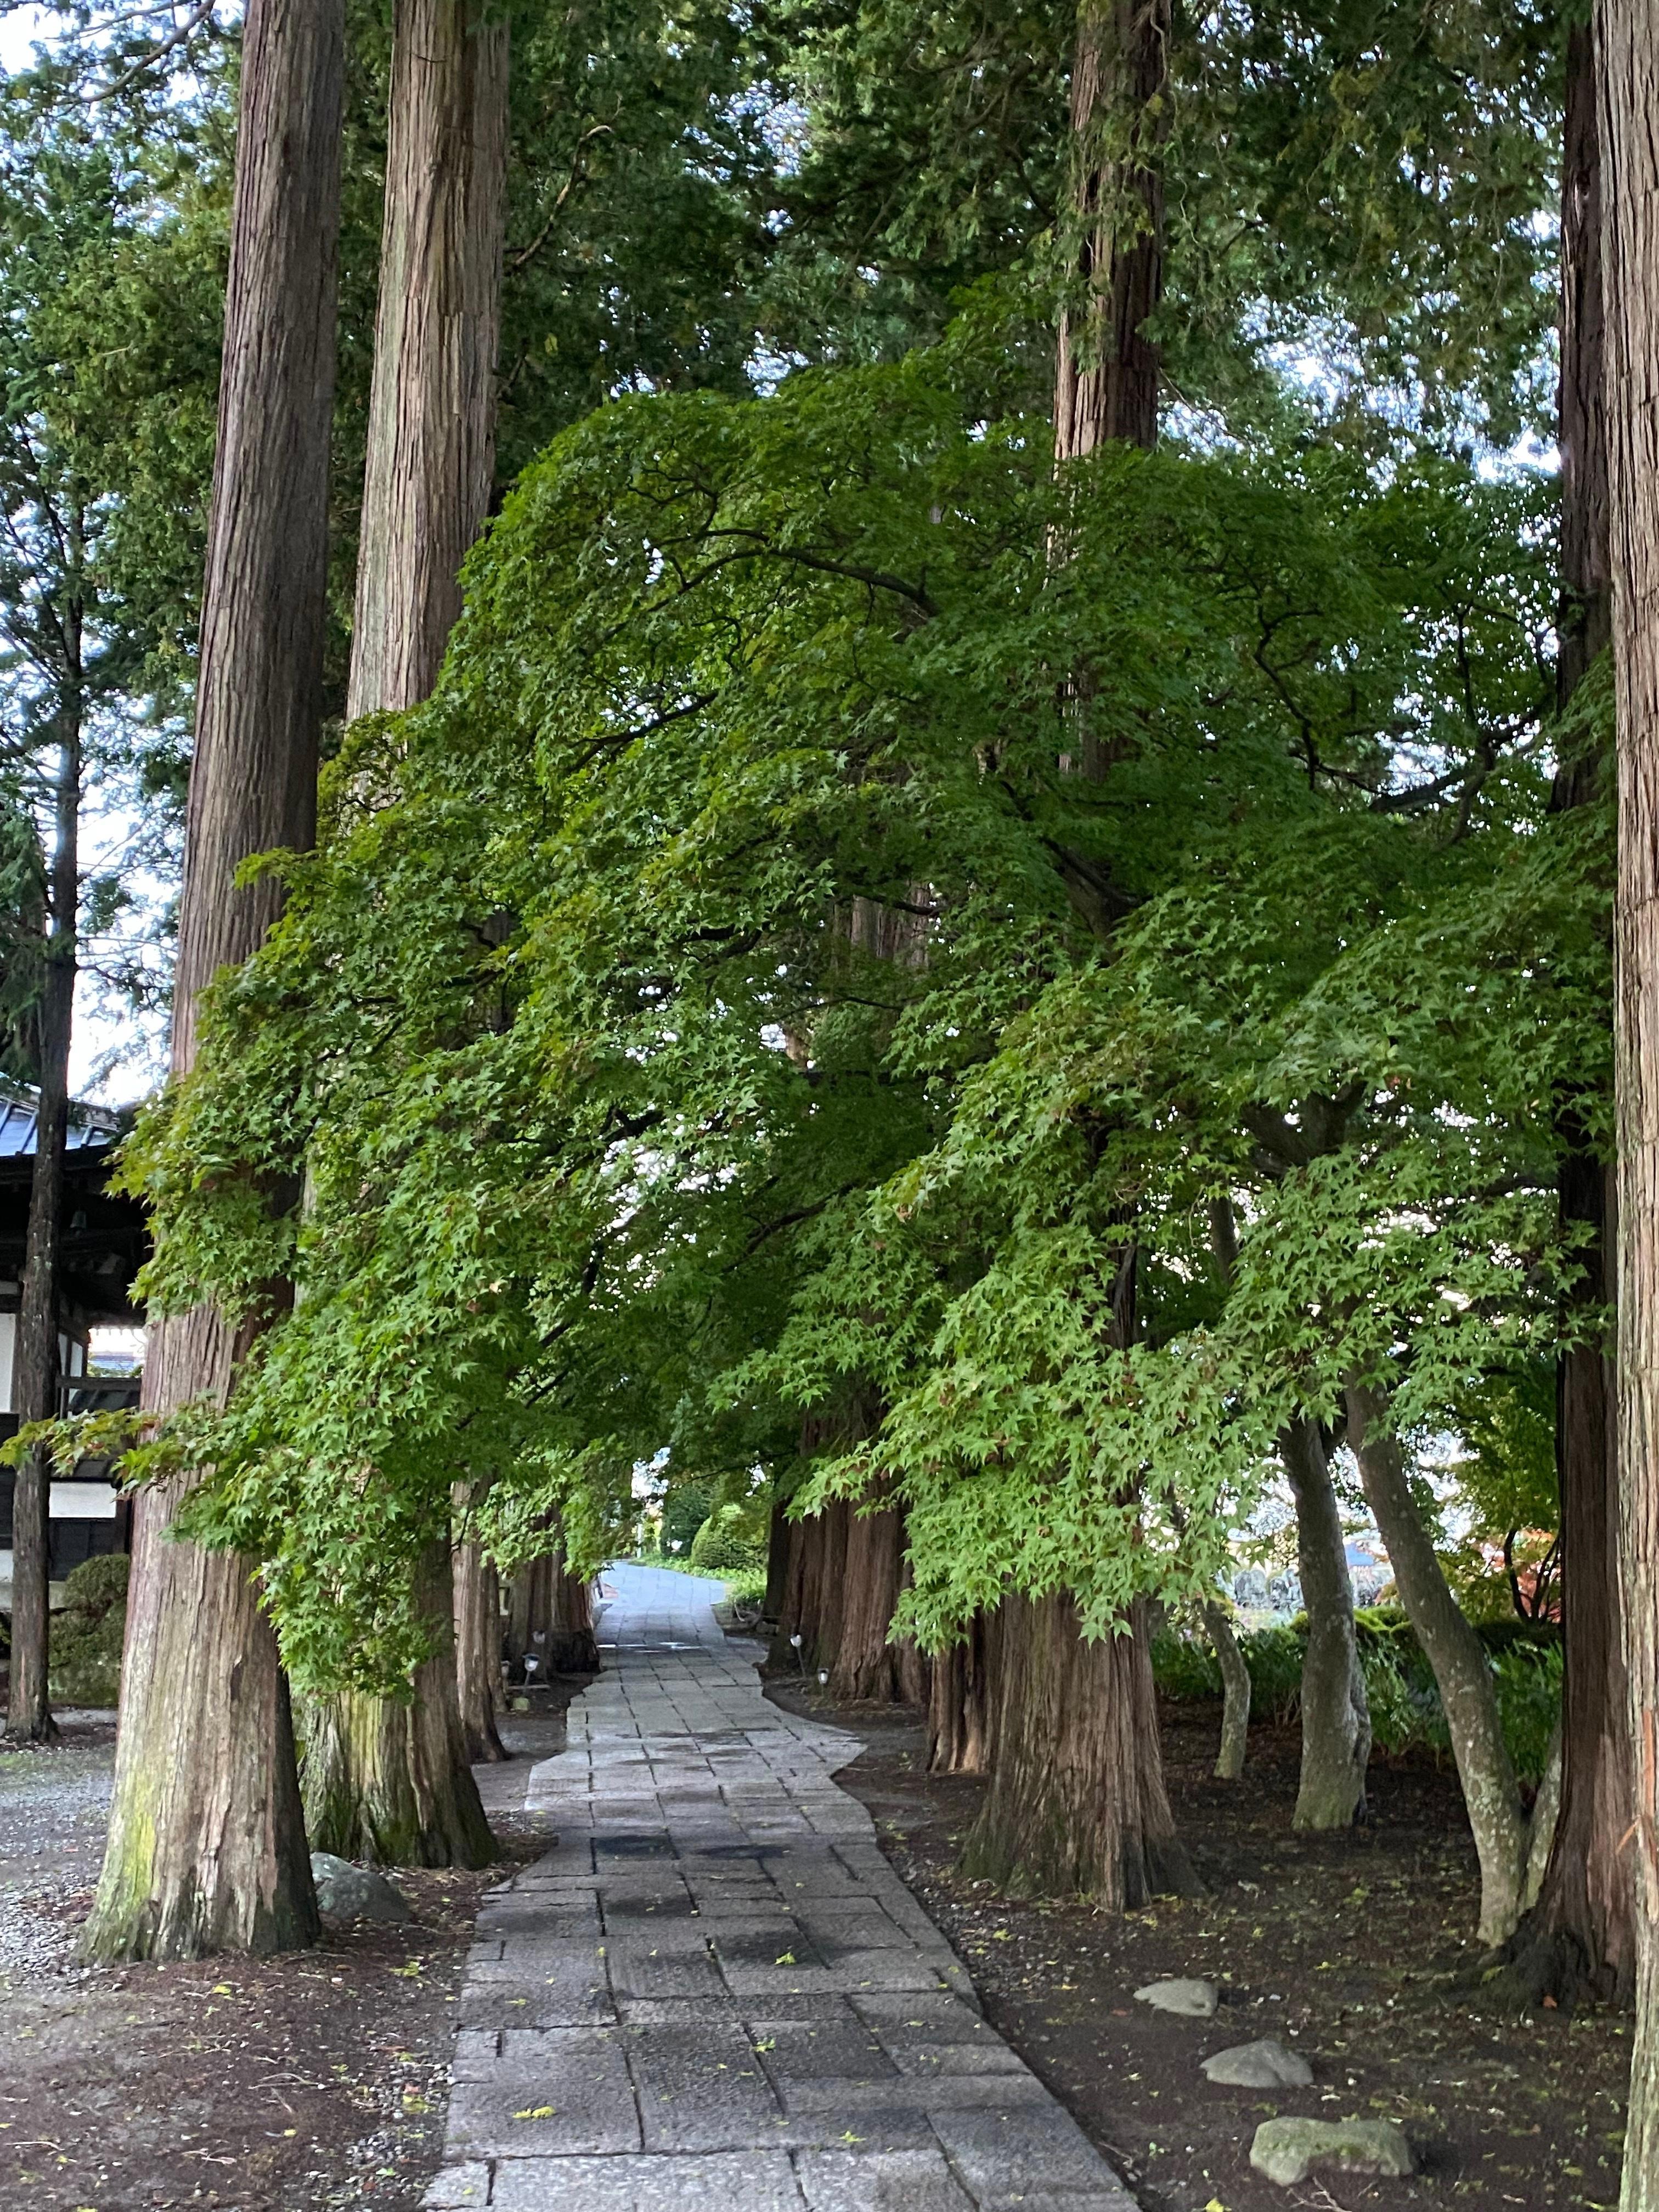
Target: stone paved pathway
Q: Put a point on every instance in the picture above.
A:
(713, 1995)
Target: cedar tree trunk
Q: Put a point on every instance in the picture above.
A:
(865, 1665)
(34, 1371)
(549, 1619)
(1628, 72)
(1336, 1719)
(425, 489)
(1076, 1803)
(777, 1561)
(572, 1646)
(1468, 1691)
(1107, 370)
(815, 1591)
(961, 1708)
(1581, 1938)
(388, 1779)
(432, 403)
(207, 1848)
(1077, 1799)
(478, 1599)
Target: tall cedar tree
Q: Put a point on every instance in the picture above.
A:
(1580, 1939)
(207, 1848)
(1627, 70)
(388, 1778)
(1077, 1798)
(34, 1369)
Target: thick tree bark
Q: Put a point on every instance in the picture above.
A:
(1585, 626)
(477, 1652)
(1468, 1694)
(1628, 70)
(426, 489)
(815, 1591)
(432, 405)
(549, 1619)
(1076, 1803)
(1107, 369)
(1077, 1799)
(34, 1366)
(1580, 1938)
(206, 1848)
(962, 1704)
(777, 1561)
(865, 1665)
(1235, 1694)
(572, 1646)
(1336, 1719)
(390, 1780)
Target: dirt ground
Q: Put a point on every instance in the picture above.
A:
(1354, 1949)
(314, 2081)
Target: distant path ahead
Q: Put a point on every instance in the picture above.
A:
(713, 1995)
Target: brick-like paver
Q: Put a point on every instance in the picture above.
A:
(714, 1994)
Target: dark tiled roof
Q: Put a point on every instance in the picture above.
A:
(89, 1126)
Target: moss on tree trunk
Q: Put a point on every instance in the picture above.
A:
(389, 1779)
(206, 1848)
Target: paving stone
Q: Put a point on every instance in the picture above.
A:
(1016, 2151)
(639, 1970)
(838, 2049)
(888, 2181)
(506, 2003)
(942, 2093)
(744, 2181)
(709, 2093)
(559, 2090)
(948, 2016)
(458, 2187)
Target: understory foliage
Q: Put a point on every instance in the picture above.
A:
(855, 908)
(1404, 1701)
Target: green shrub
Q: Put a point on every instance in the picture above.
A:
(684, 1511)
(724, 1547)
(747, 1586)
(86, 1635)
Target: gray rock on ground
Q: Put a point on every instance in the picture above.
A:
(345, 1892)
(1192, 1999)
(1286, 2150)
(1264, 2065)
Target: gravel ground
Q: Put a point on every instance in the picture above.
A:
(54, 1807)
(314, 2083)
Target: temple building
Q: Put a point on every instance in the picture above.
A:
(103, 1244)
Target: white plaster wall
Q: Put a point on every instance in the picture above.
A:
(8, 1336)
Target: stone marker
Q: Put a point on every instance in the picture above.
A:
(1286, 2150)
(1264, 2065)
(1195, 2000)
(348, 1893)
